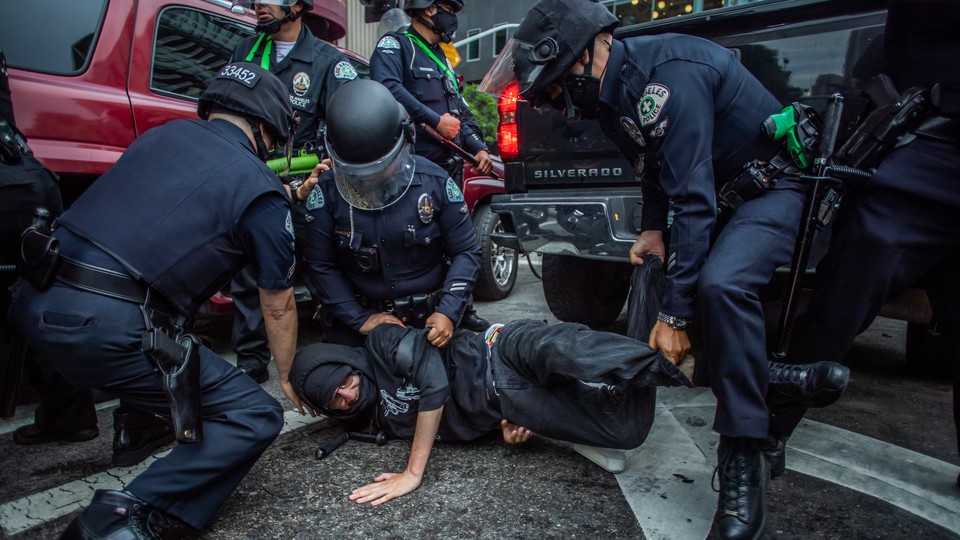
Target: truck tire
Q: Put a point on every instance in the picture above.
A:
(585, 291)
(928, 353)
(498, 264)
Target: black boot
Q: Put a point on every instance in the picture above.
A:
(742, 470)
(115, 515)
(471, 321)
(774, 452)
(794, 387)
(138, 434)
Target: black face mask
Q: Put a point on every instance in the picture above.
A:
(445, 24)
(584, 94)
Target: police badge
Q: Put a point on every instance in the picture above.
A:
(425, 208)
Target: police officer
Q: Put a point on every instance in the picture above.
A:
(384, 221)
(312, 70)
(65, 412)
(186, 206)
(415, 69)
(902, 224)
(686, 105)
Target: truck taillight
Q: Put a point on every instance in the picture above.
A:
(507, 133)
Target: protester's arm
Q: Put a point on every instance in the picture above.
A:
(389, 486)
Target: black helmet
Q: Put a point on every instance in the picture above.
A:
(416, 5)
(550, 38)
(249, 4)
(253, 92)
(369, 139)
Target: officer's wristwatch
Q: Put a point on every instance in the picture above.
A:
(677, 323)
(294, 186)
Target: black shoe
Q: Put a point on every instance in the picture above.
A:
(774, 451)
(794, 387)
(116, 515)
(137, 435)
(473, 322)
(260, 374)
(34, 434)
(743, 473)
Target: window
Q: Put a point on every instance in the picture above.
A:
(190, 47)
(499, 41)
(473, 48)
(51, 36)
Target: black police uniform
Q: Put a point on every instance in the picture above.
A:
(688, 107)
(25, 185)
(183, 227)
(314, 70)
(423, 82)
(362, 262)
(528, 372)
(902, 225)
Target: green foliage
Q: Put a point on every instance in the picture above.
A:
(485, 109)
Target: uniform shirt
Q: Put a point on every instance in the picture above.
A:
(417, 82)
(452, 377)
(412, 238)
(187, 225)
(691, 109)
(313, 69)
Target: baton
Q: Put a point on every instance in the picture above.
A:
(453, 146)
(324, 450)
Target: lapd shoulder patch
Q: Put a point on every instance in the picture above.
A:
(650, 106)
(454, 194)
(315, 200)
(344, 70)
(388, 42)
(288, 225)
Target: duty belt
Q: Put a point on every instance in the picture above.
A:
(111, 284)
(941, 128)
(413, 309)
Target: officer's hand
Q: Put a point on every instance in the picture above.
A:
(376, 320)
(674, 344)
(385, 487)
(514, 434)
(287, 389)
(441, 329)
(647, 242)
(449, 125)
(304, 189)
(484, 163)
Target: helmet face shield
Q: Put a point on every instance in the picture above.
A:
(252, 4)
(375, 185)
(513, 64)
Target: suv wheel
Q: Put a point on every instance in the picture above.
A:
(498, 264)
(585, 291)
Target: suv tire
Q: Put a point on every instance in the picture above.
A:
(498, 264)
(585, 291)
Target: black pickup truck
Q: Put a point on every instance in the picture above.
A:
(575, 200)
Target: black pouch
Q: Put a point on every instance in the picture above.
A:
(179, 362)
(894, 116)
(749, 183)
(39, 258)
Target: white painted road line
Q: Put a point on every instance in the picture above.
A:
(33, 510)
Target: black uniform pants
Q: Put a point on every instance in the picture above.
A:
(571, 383)
(94, 342)
(893, 232)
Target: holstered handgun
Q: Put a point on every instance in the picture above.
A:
(179, 362)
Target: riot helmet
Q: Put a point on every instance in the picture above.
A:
(549, 40)
(250, 91)
(273, 26)
(444, 23)
(369, 138)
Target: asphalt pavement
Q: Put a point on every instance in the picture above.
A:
(880, 463)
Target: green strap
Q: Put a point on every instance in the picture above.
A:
(265, 59)
(442, 65)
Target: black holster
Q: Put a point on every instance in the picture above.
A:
(39, 258)
(179, 362)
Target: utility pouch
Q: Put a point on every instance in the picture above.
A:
(749, 183)
(39, 258)
(880, 131)
(179, 362)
